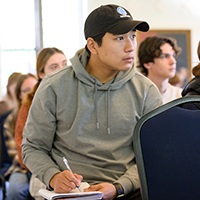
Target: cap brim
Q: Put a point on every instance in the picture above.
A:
(124, 26)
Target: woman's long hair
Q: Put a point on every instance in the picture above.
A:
(42, 59)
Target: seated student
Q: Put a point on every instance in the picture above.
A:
(9, 101)
(193, 86)
(157, 61)
(88, 111)
(6, 105)
(48, 60)
(16, 175)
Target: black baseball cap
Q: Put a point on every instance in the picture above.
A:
(112, 19)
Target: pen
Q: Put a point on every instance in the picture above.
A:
(68, 167)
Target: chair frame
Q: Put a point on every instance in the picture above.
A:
(137, 141)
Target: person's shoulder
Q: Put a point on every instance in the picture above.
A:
(143, 80)
(24, 108)
(60, 71)
(59, 75)
(140, 76)
(173, 91)
(175, 88)
(143, 85)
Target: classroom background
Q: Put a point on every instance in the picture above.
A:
(26, 26)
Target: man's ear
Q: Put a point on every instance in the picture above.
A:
(147, 65)
(41, 75)
(91, 45)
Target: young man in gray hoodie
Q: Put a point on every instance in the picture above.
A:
(87, 112)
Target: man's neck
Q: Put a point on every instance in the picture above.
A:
(160, 83)
(99, 72)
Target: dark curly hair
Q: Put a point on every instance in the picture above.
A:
(150, 49)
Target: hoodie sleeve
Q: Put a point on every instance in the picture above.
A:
(39, 133)
(152, 99)
(130, 180)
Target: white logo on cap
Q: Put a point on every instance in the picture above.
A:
(122, 12)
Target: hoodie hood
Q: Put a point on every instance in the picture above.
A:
(79, 62)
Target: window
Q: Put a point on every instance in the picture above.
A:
(61, 26)
(17, 38)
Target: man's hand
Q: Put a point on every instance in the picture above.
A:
(65, 181)
(108, 190)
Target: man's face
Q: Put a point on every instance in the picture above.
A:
(164, 66)
(117, 51)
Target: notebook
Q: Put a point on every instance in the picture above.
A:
(73, 194)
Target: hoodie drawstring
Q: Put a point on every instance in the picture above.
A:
(95, 104)
(108, 107)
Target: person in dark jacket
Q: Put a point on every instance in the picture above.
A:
(193, 86)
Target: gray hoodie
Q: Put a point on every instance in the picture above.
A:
(90, 123)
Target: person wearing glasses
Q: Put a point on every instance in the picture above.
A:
(157, 61)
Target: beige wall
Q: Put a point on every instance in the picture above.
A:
(164, 14)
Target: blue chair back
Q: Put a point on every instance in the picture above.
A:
(167, 148)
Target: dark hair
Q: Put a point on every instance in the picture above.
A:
(150, 49)
(196, 69)
(97, 39)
